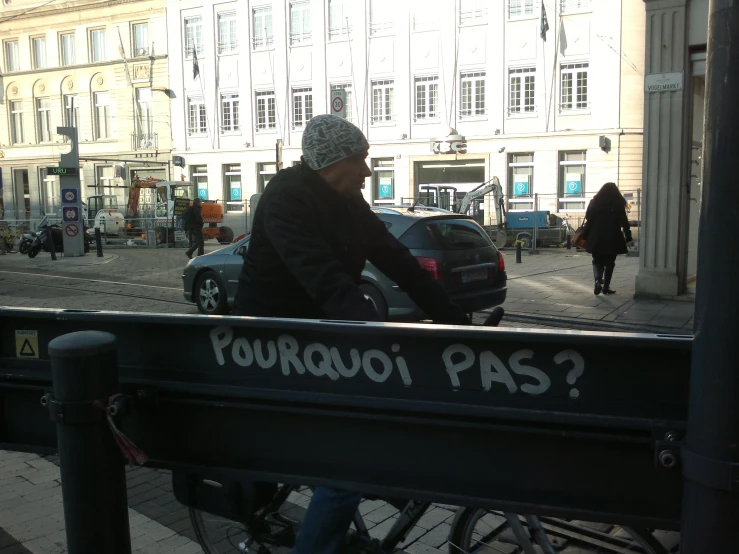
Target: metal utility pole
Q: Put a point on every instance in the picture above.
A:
(711, 456)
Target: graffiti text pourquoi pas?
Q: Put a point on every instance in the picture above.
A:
(323, 361)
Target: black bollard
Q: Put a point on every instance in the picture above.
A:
(84, 369)
(569, 242)
(518, 251)
(98, 242)
(50, 245)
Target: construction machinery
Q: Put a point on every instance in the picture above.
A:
(154, 208)
(544, 228)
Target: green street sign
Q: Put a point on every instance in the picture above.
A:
(69, 171)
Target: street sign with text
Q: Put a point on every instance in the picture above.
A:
(68, 171)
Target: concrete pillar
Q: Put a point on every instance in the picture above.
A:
(664, 176)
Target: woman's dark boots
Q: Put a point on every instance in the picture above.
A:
(598, 276)
(607, 280)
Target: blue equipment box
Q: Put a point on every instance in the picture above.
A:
(525, 220)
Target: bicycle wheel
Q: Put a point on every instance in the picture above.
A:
(273, 532)
(485, 532)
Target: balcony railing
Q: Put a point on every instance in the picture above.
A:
(229, 46)
(140, 52)
(145, 141)
(190, 49)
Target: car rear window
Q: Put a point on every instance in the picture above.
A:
(446, 234)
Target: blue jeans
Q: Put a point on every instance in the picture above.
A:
(327, 521)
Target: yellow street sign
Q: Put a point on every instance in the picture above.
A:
(26, 344)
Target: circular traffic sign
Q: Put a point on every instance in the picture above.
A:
(69, 196)
(71, 214)
(338, 104)
(72, 230)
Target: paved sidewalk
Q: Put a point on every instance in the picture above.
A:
(556, 287)
(32, 515)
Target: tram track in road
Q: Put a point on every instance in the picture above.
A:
(18, 279)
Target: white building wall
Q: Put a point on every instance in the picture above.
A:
(81, 78)
(613, 50)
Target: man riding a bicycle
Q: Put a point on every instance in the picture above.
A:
(313, 232)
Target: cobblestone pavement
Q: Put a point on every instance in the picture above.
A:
(551, 290)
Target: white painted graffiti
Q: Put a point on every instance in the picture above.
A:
(318, 359)
(323, 361)
(493, 370)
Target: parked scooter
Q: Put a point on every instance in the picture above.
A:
(25, 243)
(45, 234)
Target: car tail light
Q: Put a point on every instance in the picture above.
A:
(501, 262)
(431, 265)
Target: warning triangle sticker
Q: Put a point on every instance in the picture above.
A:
(27, 349)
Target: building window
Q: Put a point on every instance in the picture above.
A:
(71, 110)
(425, 15)
(265, 172)
(300, 23)
(427, 98)
(39, 52)
(568, 6)
(228, 42)
(106, 185)
(197, 122)
(66, 42)
(302, 106)
(193, 36)
(16, 122)
(43, 118)
(200, 178)
(12, 62)
(339, 20)
(382, 17)
(522, 89)
(232, 191)
(263, 35)
(473, 12)
(348, 103)
(140, 33)
(49, 192)
(473, 94)
(382, 101)
(102, 115)
(520, 182)
(520, 8)
(265, 106)
(383, 180)
(574, 87)
(571, 187)
(97, 45)
(230, 113)
(144, 99)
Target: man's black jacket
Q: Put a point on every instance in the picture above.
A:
(192, 218)
(307, 251)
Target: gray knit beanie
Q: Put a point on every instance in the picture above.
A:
(328, 139)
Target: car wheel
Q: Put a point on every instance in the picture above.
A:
(375, 297)
(210, 295)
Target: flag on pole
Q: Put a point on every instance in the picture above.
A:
(195, 66)
(544, 26)
(122, 52)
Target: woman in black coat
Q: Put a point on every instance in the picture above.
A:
(605, 219)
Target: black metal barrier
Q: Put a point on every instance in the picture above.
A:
(572, 424)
